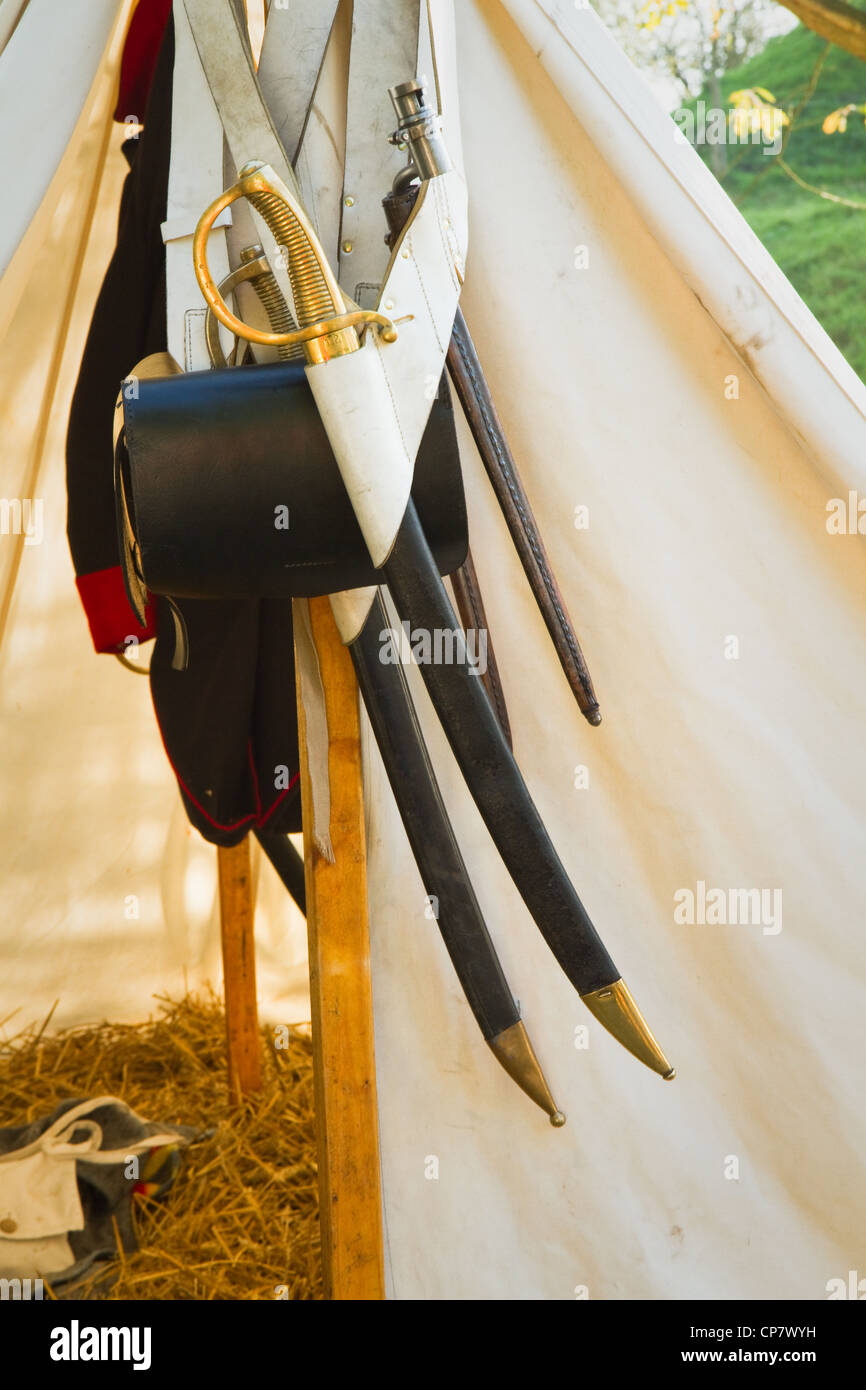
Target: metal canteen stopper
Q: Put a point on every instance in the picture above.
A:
(419, 129)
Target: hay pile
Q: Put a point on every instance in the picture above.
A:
(241, 1221)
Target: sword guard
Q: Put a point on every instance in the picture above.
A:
(257, 180)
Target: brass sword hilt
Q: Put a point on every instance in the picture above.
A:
(327, 327)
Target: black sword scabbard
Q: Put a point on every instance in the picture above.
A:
(444, 875)
(500, 793)
(287, 864)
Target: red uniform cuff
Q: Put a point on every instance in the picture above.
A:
(112, 621)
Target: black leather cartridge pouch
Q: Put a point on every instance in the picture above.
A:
(227, 487)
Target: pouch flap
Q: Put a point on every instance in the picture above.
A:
(39, 1197)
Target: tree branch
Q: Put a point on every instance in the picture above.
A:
(833, 20)
(821, 192)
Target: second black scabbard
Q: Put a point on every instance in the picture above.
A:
(488, 766)
(444, 874)
(501, 795)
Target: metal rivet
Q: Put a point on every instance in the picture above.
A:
(7, 1225)
(389, 304)
(347, 247)
(405, 255)
(349, 201)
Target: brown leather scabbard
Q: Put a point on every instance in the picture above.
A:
(464, 581)
(482, 417)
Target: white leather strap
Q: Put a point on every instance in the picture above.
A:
(363, 426)
(350, 611)
(226, 59)
(317, 131)
(316, 722)
(226, 65)
(296, 37)
(384, 52)
(375, 403)
(56, 1140)
(441, 39)
(322, 150)
(195, 178)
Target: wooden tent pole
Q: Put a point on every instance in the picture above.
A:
(239, 970)
(341, 992)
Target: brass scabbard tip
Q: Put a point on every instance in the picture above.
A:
(616, 1011)
(669, 1075)
(514, 1051)
(594, 716)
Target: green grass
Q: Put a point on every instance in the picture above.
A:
(818, 244)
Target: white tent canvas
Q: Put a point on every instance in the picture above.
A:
(681, 422)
